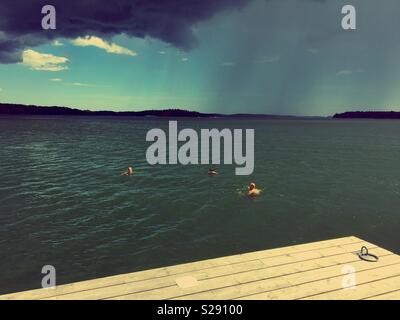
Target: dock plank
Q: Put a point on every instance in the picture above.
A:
(386, 281)
(393, 295)
(286, 277)
(273, 275)
(304, 271)
(152, 287)
(331, 280)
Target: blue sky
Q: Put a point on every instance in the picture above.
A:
(280, 57)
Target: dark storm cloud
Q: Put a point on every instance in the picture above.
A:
(170, 21)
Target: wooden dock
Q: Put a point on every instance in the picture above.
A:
(318, 270)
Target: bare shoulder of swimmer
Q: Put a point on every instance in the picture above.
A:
(254, 192)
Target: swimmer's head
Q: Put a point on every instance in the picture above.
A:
(252, 186)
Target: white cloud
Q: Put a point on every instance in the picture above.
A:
(79, 84)
(161, 52)
(268, 59)
(100, 43)
(73, 84)
(57, 43)
(43, 62)
(227, 64)
(349, 72)
(344, 72)
(185, 59)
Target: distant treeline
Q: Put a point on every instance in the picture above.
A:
(18, 109)
(368, 115)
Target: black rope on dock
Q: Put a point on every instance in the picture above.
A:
(366, 256)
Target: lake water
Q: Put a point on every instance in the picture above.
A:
(64, 203)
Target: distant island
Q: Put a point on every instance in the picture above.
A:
(368, 115)
(20, 109)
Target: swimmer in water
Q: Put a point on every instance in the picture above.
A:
(212, 172)
(253, 191)
(128, 172)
